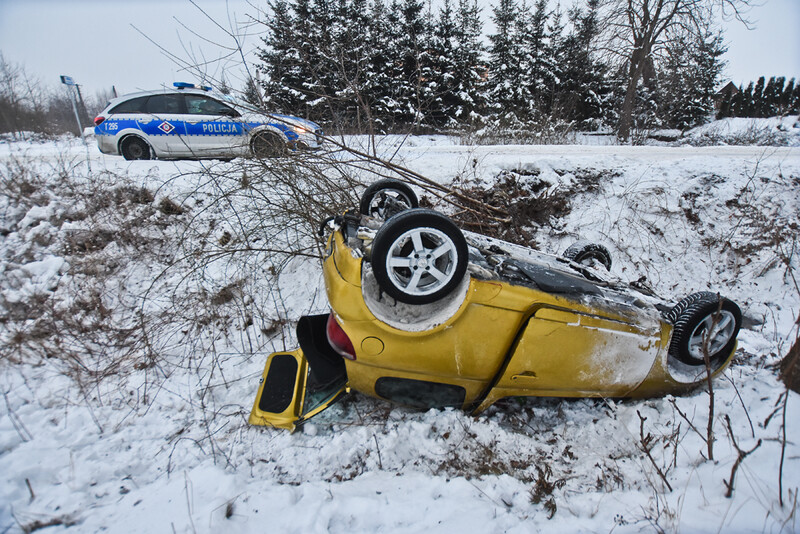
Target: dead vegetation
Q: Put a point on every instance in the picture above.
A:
(529, 202)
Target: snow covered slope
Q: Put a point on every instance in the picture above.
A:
(109, 426)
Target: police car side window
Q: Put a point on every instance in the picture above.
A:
(134, 105)
(164, 104)
(202, 105)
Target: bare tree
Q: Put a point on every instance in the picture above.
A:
(11, 100)
(638, 29)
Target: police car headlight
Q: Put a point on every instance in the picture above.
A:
(301, 129)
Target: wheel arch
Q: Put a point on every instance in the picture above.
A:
(127, 134)
(266, 128)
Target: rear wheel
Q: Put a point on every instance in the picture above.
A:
(704, 323)
(386, 198)
(419, 256)
(135, 148)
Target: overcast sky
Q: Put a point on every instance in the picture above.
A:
(100, 43)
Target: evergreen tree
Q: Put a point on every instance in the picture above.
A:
(469, 70)
(523, 86)
(689, 78)
(379, 90)
(394, 95)
(504, 59)
(724, 110)
(747, 105)
(737, 103)
(440, 67)
(280, 60)
(555, 32)
(252, 93)
(541, 73)
(772, 95)
(786, 98)
(348, 60)
(582, 86)
(413, 40)
(757, 106)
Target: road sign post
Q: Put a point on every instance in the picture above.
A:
(69, 82)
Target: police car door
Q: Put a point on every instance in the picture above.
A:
(162, 121)
(212, 127)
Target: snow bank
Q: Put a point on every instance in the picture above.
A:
(98, 435)
(774, 131)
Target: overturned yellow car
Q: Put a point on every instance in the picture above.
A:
(426, 315)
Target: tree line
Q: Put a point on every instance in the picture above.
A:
(27, 105)
(389, 65)
(764, 99)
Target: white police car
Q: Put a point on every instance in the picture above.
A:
(191, 122)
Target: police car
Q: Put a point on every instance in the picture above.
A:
(190, 121)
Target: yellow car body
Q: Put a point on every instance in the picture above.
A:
(495, 337)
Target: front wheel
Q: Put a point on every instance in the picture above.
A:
(704, 324)
(267, 145)
(419, 256)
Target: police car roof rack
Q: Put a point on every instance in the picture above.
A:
(187, 85)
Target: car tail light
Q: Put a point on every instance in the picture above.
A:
(339, 340)
(99, 120)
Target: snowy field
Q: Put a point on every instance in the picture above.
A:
(104, 428)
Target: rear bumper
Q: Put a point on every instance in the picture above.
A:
(106, 143)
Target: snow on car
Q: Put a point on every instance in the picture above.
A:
(190, 121)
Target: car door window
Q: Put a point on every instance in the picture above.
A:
(134, 105)
(164, 104)
(203, 105)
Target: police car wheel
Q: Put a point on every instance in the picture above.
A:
(267, 145)
(134, 148)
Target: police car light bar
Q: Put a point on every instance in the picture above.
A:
(187, 85)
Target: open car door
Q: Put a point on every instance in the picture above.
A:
(297, 385)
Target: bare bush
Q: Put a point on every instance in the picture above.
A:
(98, 224)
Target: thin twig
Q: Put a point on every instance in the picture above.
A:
(685, 418)
(739, 459)
(378, 449)
(16, 422)
(783, 449)
(707, 360)
(644, 443)
(744, 406)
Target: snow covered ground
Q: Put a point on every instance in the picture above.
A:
(106, 428)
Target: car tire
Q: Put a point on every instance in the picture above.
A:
(134, 148)
(267, 145)
(700, 316)
(419, 256)
(386, 198)
(587, 254)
